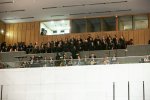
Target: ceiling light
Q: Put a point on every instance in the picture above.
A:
(6, 2)
(19, 18)
(2, 31)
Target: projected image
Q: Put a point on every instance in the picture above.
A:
(55, 27)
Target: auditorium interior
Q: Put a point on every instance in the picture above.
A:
(74, 49)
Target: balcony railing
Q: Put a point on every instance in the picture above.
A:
(74, 62)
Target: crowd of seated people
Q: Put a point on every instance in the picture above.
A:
(69, 45)
(61, 59)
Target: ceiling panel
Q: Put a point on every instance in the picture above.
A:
(77, 8)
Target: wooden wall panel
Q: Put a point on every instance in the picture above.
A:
(125, 34)
(23, 33)
(36, 30)
(30, 32)
(28, 37)
(15, 36)
(147, 36)
(19, 32)
(131, 36)
(11, 34)
(7, 32)
(141, 37)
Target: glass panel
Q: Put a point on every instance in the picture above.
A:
(141, 21)
(125, 23)
(94, 25)
(78, 26)
(109, 24)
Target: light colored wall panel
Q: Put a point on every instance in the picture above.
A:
(76, 82)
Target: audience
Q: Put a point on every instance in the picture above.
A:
(72, 45)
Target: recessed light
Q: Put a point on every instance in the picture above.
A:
(2, 31)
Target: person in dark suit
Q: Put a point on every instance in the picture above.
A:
(109, 44)
(15, 47)
(48, 47)
(9, 47)
(65, 47)
(3, 47)
(59, 48)
(79, 45)
(91, 45)
(85, 45)
(104, 43)
(122, 44)
(97, 43)
(115, 42)
(74, 51)
(29, 48)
